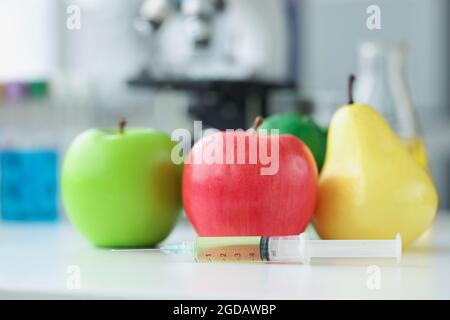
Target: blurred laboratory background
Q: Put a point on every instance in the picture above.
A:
(70, 65)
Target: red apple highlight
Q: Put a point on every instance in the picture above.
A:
(232, 196)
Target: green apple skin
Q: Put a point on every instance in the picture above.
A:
(121, 189)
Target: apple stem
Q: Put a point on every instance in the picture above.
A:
(351, 80)
(257, 123)
(122, 124)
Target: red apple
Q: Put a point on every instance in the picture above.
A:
(236, 199)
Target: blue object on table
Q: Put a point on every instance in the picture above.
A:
(29, 185)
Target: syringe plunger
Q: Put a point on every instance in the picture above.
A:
(283, 248)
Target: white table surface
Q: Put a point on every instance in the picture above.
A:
(35, 260)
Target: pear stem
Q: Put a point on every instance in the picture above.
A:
(257, 123)
(351, 80)
(122, 124)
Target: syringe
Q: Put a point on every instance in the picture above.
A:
(288, 249)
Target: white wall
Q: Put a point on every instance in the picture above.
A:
(28, 41)
(332, 29)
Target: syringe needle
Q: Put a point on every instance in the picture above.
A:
(137, 250)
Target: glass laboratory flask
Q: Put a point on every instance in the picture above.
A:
(381, 82)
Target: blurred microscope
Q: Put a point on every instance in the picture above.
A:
(230, 56)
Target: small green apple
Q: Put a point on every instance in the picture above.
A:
(303, 128)
(120, 187)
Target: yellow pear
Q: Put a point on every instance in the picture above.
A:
(371, 187)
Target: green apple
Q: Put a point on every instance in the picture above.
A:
(120, 187)
(302, 127)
